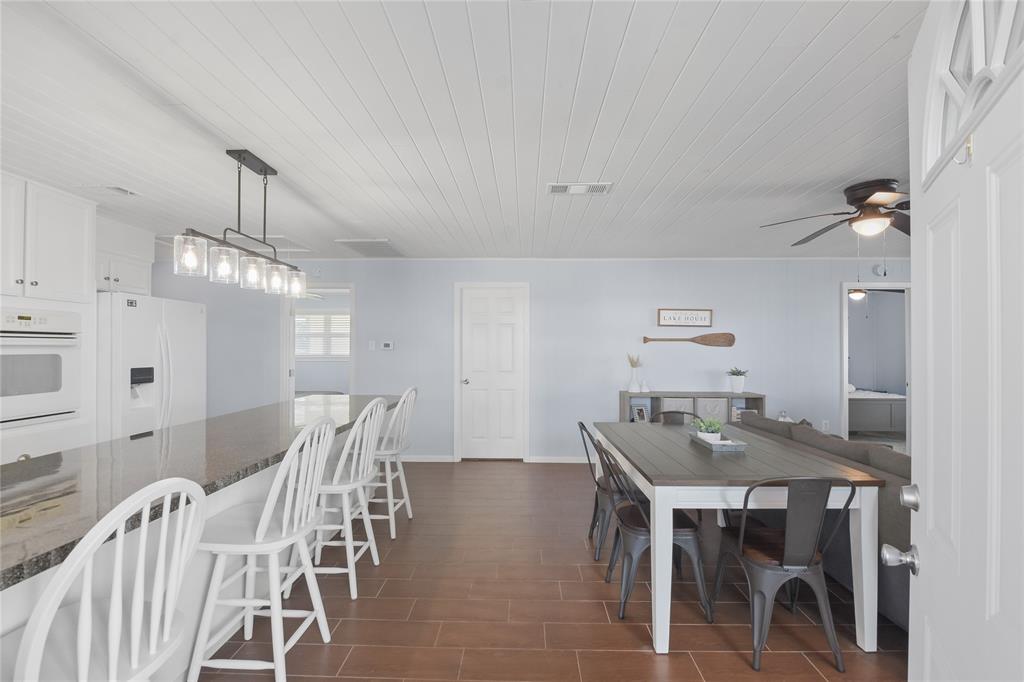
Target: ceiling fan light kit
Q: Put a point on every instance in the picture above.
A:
(197, 254)
(868, 219)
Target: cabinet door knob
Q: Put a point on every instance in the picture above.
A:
(34, 283)
(19, 281)
(117, 279)
(107, 278)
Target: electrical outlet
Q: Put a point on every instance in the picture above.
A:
(825, 425)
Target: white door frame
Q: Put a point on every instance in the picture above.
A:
(288, 338)
(460, 287)
(844, 347)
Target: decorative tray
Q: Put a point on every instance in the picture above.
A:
(718, 446)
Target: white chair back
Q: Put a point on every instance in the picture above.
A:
(361, 444)
(292, 500)
(396, 434)
(155, 583)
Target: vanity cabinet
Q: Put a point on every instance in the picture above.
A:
(48, 239)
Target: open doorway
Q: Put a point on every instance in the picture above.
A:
(875, 401)
(323, 342)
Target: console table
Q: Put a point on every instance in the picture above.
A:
(720, 405)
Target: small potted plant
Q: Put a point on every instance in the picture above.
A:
(737, 377)
(634, 363)
(709, 429)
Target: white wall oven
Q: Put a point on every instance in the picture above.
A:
(40, 366)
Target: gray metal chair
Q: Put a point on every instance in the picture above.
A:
(633, 535)
(772, 557)
(604, 499)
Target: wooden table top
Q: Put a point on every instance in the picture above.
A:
(664, 456)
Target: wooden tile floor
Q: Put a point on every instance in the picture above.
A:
(494, 580)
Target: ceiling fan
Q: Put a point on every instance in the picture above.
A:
(877, 205)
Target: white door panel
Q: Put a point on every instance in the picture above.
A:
(967, 349)
(492, 372)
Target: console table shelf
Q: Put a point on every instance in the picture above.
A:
(721, 405)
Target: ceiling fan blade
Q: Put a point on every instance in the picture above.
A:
(820, 215)
(885, 198)
(900, 221)
(902, 206)
(820, 232)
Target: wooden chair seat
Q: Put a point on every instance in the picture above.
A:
(631, 516)
(762, 545)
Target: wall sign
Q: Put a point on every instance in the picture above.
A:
(684, 317)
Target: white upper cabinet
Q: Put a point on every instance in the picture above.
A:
(48, 243)
(122, 273)
(12, 233)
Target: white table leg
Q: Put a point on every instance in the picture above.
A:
(661, 570)
(864, 555)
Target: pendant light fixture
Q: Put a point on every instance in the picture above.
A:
(197, 254)
(857, 294)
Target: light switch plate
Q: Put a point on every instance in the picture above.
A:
(387, 345)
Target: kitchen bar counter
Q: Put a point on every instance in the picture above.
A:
(48, 503)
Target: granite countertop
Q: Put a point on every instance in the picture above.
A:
(49, 502)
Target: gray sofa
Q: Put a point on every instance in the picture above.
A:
(893, 519)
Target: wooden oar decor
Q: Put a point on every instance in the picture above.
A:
(723, 339)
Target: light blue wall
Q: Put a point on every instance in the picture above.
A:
(243, 339)
(878, 342)
(586, 316)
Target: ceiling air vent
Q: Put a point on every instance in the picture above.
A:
(379, 247)
(579, 187)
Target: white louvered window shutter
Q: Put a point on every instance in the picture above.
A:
(322, 334)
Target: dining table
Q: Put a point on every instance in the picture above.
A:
(676, 473)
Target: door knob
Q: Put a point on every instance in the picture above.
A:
(107, 278)
(893, 557)
(34, 283)
(19, 281)
(117, 279)
(465, 381)
(910, 497)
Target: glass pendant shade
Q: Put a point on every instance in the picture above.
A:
(296, 284)
(857, 294)
(277, 279)
(253, 272)
(223, 265)
(189, 256)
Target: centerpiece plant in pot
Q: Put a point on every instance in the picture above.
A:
(709, 429)
(737, 377)
(634, 382)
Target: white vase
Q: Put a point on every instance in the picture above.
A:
(644, 388)
(736, 382)
(634, 383)
(709, 437)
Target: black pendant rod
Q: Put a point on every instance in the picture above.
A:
(239, 195)
(265, 211)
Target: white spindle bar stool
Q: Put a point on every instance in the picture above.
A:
(394, 441)
(357, 457)
(129, 634)
(265, 529)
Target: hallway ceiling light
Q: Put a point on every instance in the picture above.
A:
(857, 294)
(253, 270)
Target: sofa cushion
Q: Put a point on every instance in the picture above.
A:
(889, 461)
(756, 421)
(857, 452)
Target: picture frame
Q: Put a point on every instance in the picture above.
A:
(639, 413)
(685, 317)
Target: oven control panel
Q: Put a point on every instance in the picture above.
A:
(46, 321)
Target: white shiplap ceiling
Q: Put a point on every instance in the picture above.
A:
(438, 125)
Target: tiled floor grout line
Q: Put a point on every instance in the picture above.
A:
(808, 658)
(342, 667)
(462, 659)
(695, 665)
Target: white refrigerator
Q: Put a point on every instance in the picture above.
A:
(152, 364)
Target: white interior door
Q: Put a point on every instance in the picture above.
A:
(967, 364)
(492, 371)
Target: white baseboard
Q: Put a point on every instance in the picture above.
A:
(427, 458)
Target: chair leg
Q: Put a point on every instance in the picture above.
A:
(614, 558)
(593, 520)
(199, 650)
(250, 592)
(314, 591)
(364, 503)
(389, 489)
(816, 580)
(792, 594)
(405, 488)
(276, 618)
(698, 575)
(719, 577)
(604, 519)
(350, 554)
(632, 549)
(763, 588)
(292, 557)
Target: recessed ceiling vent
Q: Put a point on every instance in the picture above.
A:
(579, 187)
(379, 247)
(122, 190)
